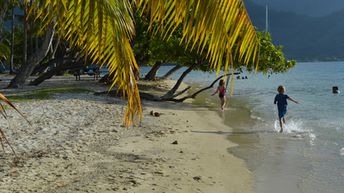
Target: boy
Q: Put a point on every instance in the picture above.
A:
(281, 101)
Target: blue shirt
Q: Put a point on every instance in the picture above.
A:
(281, 100)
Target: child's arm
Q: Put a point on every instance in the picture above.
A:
(217, 90)
(293, 100)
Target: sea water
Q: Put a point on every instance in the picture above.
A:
(308, 157)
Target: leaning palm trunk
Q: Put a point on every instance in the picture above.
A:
(172, 71)
(3, 10)
(104, 31)
(151, 75)
(171, 93)
(26, 69)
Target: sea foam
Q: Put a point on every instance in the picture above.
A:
(296, 129)
(342, 151)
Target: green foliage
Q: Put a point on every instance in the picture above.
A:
(271, 57)
(150, 48)
(5, 52)
(104, 30)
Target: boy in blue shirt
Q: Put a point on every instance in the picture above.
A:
(281, 101)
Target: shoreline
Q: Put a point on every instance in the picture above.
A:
(203, 153)
(75, 144)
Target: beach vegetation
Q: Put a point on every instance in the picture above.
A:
(271, 57)
(151, 45)
(104, 30)
(104, 33)
(271, 60)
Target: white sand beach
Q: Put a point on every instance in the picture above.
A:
(75, 144)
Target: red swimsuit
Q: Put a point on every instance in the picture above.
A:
(222, 91)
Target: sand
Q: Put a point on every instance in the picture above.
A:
(75, 144)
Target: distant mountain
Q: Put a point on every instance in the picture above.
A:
(303, 37)
(313, 8)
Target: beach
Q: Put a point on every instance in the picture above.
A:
(75, 144)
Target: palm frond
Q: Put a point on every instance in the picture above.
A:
(216, 24)
(4, 51)
(8, 102)
(103, 30)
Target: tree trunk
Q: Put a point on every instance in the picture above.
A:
(3, 10)
(200, 90)
(26, 70)
(25, 23)
(64, 60)
(151, 75)
(170, 93)
(54, 49)
(12, 41)
(172, 71)
(54, 71)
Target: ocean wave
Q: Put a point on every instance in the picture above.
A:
(342, 151)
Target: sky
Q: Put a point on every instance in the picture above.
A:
(315, 8)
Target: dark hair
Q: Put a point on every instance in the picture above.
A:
(222, 82)
(281, 89)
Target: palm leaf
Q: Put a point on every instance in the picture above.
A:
(104, 30)
(4, 51)
(3, 112)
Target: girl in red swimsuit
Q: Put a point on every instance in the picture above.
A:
(221, 89)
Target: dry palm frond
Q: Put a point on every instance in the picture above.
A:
(104, 30)
(3, 139)
(2, 110)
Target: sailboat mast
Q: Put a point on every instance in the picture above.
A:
(266, 17)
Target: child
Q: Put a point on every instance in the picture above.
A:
(221, 89)
(281, 101)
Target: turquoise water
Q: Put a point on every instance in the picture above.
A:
(309, 156)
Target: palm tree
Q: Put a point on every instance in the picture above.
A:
(3, 10)
(104, 31)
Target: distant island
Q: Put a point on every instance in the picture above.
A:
(304, 38)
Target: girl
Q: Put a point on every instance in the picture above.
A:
(221, 89)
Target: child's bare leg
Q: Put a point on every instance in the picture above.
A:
(283, 120)
(281, 125)
(223, 103)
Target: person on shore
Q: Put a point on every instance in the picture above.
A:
(221, 89)
(281, 101)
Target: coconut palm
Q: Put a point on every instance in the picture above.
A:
(104, 30)
(3, 10)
